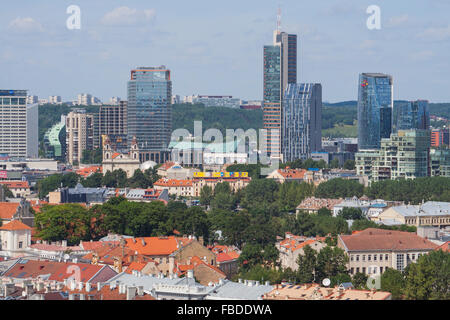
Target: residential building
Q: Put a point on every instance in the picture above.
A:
(204, 273)
(293, 246)
(10, 211)
(411, 115)
(114, 160)
(375, 105)
(313, 205)
(227, 259)
(86, 99)
(15, 238)
(149, 112)
(431, 213)
(179, 188)
(372, 251)
(18, 125)
(301, 128)
(288, 174)
(316, 292)
(20, 189)
(112, 122)
(237, 181)
(32, 99)
(405, 155)
(79, 135)
(115, 100)
(440, 162)
(55, 100)
(241, 290)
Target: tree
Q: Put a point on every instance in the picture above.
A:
(93, 181)
(393, 281)
(428, 278)
(349, 165)
(324, 212)
(139, 180)
(7, 193)
(270, 255)
(222, 187)
(359, 281)
(351, 214)
(331, 261)
(55, 181)
(223, 201)
(334, 164)
(206, 195)
(339, 188)
(251, 256)
(307, 264)
(340, 278)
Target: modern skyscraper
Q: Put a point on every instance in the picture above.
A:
(375, 105)
(302, 121)
(18, 125)
(149, 112)
(280, 69)
(112, 121)
(79, 134)
(411, 115)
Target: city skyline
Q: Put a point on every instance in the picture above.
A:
(196, 40)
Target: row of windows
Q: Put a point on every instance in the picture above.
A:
(375, 257)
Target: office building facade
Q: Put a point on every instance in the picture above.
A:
(301, 121)
(440, 162)
(18, 129)
(405, 155)
(79, 135)
(280, 69)
(112, 122)
(375, 107)
(440, 138)
(149, 112)
(411, 115)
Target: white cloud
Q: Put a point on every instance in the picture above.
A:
(25, 25)
(124, 16)
(398, 20)
(435, 34)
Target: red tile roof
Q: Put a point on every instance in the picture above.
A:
(106, 293)
(32, 269)
(135, 266)
(379, 239)
(167, 165)
(85, 172)
(68, 270)
(292, 173)
(156, 246)
(8, 210)
(173, 183)
(444, 247)
(92, 245)
(15, 225)
(16, 184)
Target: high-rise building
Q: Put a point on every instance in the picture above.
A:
(375, 105)
(280, 69)
(55, 100)
(411, 115)
(440, 162)
(301, 121)
(18, 125)
(440, 137)
(79, 134)
(405, 155)
(112, 122)
(32, 99)
(149, 112)
(55, 142)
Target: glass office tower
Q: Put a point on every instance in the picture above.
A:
(411, 115)
(149, 112)
(375, 105)
(302, 121)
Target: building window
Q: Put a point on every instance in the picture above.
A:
(374, 257)
(386, 257)
(381, 257)
(364, 257)
(20, 244)
(357, 270)
(364, 270)
(357, 257)
(400, 262)
(351, 257)
(352, 270)
(381, 269)
(369, 257)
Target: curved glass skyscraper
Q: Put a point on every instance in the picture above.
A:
(375, 107)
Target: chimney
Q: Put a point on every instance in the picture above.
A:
(88, 287)
(200, 239)
(131, 293)
(99, 286)
(82, 297)
(71, 297)
(39, 286)
(143, 242)
(190, 274)
(140, 290)
(29, 290)
(64, 243)
(80, 285)
(267, 283)
(8, 289)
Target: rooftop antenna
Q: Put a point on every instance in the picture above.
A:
(279, 20)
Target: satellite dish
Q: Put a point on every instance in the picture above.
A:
(66, 257)
(326, 282)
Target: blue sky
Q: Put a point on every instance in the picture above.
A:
(215, 47)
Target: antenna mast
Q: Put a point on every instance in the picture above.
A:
(279, 20)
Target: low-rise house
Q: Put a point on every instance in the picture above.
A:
(288, 174)
(292, 246)
(15, 238)
(162, 170)
(236, 183)
(313, 204)
(227, 259)
(315, 292)
(372, 251)
(179, 188)
(430, 213)
(204, 272)
(16, 211)
(20, 189)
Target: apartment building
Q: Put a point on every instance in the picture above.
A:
(79, 134)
